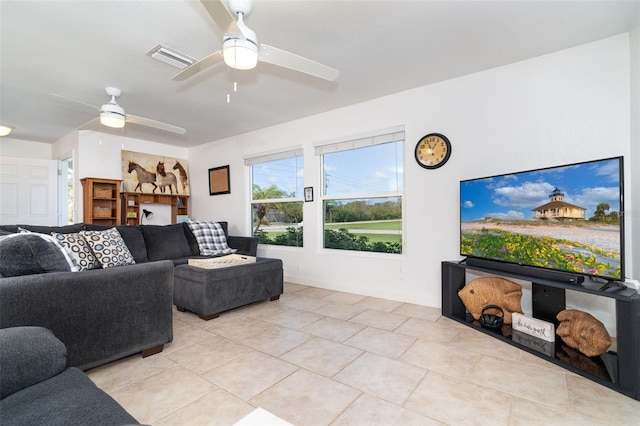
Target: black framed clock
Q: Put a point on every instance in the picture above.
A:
(433, 151)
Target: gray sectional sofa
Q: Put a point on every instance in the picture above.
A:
(37, 388)
(104, 314)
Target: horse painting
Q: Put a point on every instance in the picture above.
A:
(143, 176)
(183, 175)
(166, 179)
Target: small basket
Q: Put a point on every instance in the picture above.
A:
(101, 192)
(101, 212)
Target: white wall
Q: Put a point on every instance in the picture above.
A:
(25, 149)
(97, 154)
(561, 108)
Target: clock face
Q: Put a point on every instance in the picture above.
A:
(433, 151)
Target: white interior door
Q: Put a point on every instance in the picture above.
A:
(28, 191)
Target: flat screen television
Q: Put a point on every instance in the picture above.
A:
(565, 218)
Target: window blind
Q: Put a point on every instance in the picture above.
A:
(272, 156)
(361, 142)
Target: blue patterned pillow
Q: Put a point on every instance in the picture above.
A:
(210, 237)
(79, 249)
(109, 247)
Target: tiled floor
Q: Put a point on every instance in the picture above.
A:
(319, 357)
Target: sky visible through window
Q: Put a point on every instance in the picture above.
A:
(372, 169)
(286, 174)
(514, 196)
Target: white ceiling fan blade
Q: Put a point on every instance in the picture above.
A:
(224, 19)
(196, 67)
(156, 124)
(74, 100)
(282, 58)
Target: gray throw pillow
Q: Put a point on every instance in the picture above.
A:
(32, 253)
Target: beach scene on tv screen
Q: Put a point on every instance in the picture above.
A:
(565, 218)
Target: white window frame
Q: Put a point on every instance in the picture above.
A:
(346, 144)
(266, 157)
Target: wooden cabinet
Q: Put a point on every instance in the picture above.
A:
(132, 212)
(101, 204)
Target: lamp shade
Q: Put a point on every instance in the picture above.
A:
(240, 54)
(112, 115)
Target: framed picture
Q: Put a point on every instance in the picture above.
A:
(308, 193)
(219, 182)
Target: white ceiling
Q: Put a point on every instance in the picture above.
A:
(77, 48)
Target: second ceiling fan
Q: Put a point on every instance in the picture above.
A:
(240, 48)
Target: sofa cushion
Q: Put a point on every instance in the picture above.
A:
(109, 247)
(211, 238)
(80, 250)
(28, 355)
(33, 253)
(70, 398)
(165, 241)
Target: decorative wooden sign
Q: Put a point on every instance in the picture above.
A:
(534, 327)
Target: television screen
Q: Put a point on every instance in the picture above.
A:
(566, 218)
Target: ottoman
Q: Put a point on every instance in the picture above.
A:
(207, 292)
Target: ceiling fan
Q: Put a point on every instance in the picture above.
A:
(240, 48)
(113, 115)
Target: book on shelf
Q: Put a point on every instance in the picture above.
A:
(182, 218)
(180, 203)
(132, 214)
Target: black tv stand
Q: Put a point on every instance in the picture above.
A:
(618, 370)
(548, 274)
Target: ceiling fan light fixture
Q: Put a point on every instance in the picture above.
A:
(5, 130)
(240, 54)
(112, 115)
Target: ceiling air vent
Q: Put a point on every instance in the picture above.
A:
(171, 57)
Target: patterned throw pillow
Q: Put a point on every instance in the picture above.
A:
(210, 237)
(79, 249)
(109, 247)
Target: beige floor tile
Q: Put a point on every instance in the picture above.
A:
(381, 342)
(322, 356)
(315, 292)
(208, 354)
(341, 311)
(155, 397)
(346, 298)
(276, 340)
(218, 408)
(238, 327)
(292, 288)
(185, 336)
(450, 322)
(379, 304)
(306, 398)
(456, 402)
(369, 410)
(333, 329)
(473, 340)
(300, 302)
(591, 399)
(250, 374)
(293, 318)
(541, 385)
(418, 311)
(384, 320)
(440, 358)
(263, 310)
(428, 330)
(125, 371)
(527, 358)
(528, 413)
(383, 377)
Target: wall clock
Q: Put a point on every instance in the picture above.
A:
(433, 151)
